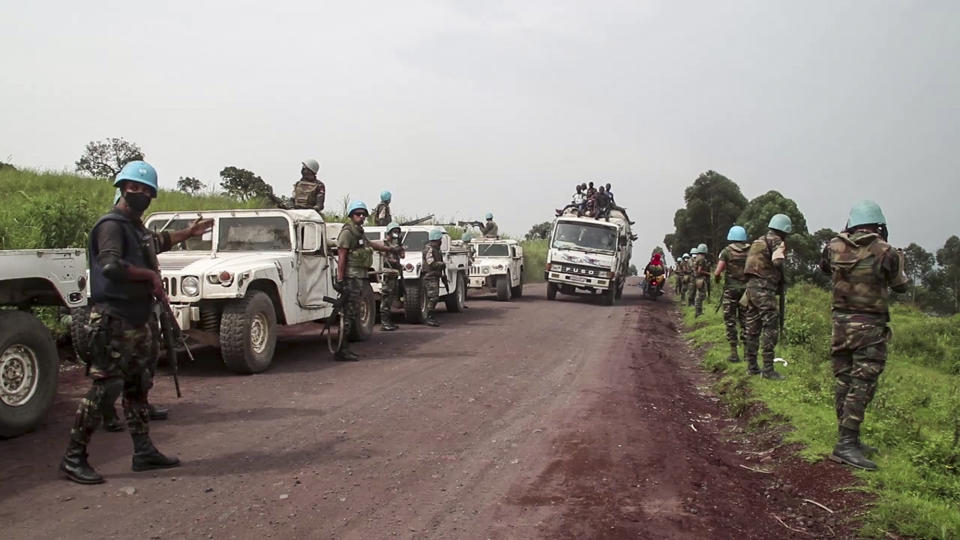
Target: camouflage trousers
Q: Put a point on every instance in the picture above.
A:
(389, 292)
(128, 361)
(762, 323)
(350, 299)
(859, 354)
(733, 314)
(688, 287)
(700, 293)
(431, 288)
(678, 288)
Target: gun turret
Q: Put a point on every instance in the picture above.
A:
(417, 221)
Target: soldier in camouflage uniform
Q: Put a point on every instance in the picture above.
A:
(354, 260)
(122, 344)
(733, 258)
(701, 275)
(863, 266)
(390, 290)
(432, 268)
(490, 228)
(689, 281)
(682, 269)
(381, 213)
(309, 193)
(764, 271)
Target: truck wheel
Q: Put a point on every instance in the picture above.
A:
(366, 316)
(609, 296)
(551, 291)
(28, 372)
(456, 301)
(619, 290)
(517, 291)
(503, 288)
(248, 333)
(414, 302)
(79, 318)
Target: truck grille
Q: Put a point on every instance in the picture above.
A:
(577, 269)
(170, 286)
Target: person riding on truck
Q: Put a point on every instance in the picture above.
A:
(490, 228)
(309, 193)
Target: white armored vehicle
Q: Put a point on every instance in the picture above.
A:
(453, 293)
(497, 267)
(28, 354)
(255, 270)
(588, 254)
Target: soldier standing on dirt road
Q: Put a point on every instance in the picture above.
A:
(490, 228)
(733, 259)
(354, 260)
(432, 267)
(764, 271)
(123, 342)
(863, 266)
(392, 268)
(309, 193)
(381, 213)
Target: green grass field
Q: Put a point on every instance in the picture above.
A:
(914, 418)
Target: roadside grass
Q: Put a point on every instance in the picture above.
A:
(914, 418)
(534, 259)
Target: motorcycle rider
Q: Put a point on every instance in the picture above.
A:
(654, 272)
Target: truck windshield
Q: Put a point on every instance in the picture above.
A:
(204, 243)
(492, 250)
(584, 236)
(414, 241)
(254, 234)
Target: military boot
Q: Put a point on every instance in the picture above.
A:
(146, 457)
(431, 320)
(734, 354)
(769, 372)
(346, 355)
(848, 451)
(75, 466)
(386, 324)
(158, 413)
(752, 367)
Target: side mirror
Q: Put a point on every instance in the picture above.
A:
(311, 239)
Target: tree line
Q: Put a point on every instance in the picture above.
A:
(714, 203)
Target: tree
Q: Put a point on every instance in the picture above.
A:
(243, 184)
(820, 240)
(803, 253)
(919, 263)
(713, 203)
(104, 159)
(633, 270)
(540, 231)
(948, 257)
(7, 166)
(190, 185)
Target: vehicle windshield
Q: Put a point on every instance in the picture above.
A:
(204, 243)
(414, 241)
(492, 250)
(372, 235)
(254, 234)
(584, 236)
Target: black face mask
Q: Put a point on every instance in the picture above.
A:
(137, 201)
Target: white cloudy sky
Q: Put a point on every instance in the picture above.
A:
(465, 107)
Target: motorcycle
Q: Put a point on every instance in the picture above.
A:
(652, 286)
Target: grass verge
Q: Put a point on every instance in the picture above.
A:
(914, 418)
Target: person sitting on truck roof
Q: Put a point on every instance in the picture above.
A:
(309, 193)
(490, 228)
(603, 204)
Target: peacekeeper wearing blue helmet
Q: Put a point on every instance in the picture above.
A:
(381, 213)
(124, 284)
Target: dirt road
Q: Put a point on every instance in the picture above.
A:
(513, 420)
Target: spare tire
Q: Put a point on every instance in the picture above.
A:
(28, 372)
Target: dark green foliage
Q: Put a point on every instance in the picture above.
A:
(243, 184)
(104, 159)
(190, 185)
(540, 231)
(713, 204)
(803, 254)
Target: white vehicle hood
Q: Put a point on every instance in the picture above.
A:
(193, 265)
(574, 256)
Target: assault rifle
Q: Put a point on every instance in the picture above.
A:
(278, 201)
(783, 304)
(172, 336)
(477, 224)
(417, 221)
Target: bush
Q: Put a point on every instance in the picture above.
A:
(534, 259)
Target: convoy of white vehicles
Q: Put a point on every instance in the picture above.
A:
(257, 270)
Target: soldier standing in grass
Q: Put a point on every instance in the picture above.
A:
(432, 268)
(309, 193)
(733, 259)
(701, 274)
(863, 266)
(764, 271)
(682, 269)
(690, 281)
(392, 268)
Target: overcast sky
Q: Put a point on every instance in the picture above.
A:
(460, 108)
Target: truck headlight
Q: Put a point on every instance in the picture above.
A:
(605, 274)
(190, 286)
(486, 269)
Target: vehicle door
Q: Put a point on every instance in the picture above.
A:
(516, 264)
(448, 259)
(313, 265)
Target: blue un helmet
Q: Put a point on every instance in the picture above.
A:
(435, 234)
(356, 206)
(737, 234)
(782, 223)
(489, 215)
(866, 213)
(393, 225)
(702, 249)
(385, 196)
(140, 172)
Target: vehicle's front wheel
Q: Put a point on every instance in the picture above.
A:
(28, 372)
(503, 288)
(366, 315)
(551, 291)
(457, 301)
(414, 302)
(517, 291)
(248, 333)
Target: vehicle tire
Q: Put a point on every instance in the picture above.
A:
(551, 291)
(79, 318)
(28, 372)
(414, 302)
(609, 296)
(457, 301)
(503, 288)
(367, 315)
(517, 291)
(248, 333)
(620, 290)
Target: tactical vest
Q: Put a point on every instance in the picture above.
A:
(305, 193)
(390, 259)
(360, 254)
(434, 252)
(858, 283)
(760, 260)
(736, 261)
(129, 300)
(700, 266)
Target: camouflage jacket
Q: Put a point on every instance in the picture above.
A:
(392, 259)
(433, 264)
(309, 193)
(734, 257)
(381, 215)
(764, 266)
(701, 266)
(490, 229)
(863, 267)
(359, 253)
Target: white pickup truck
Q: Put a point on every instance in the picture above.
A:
(28, 354)
(255, 270)
(497, 267)
(455, 256)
